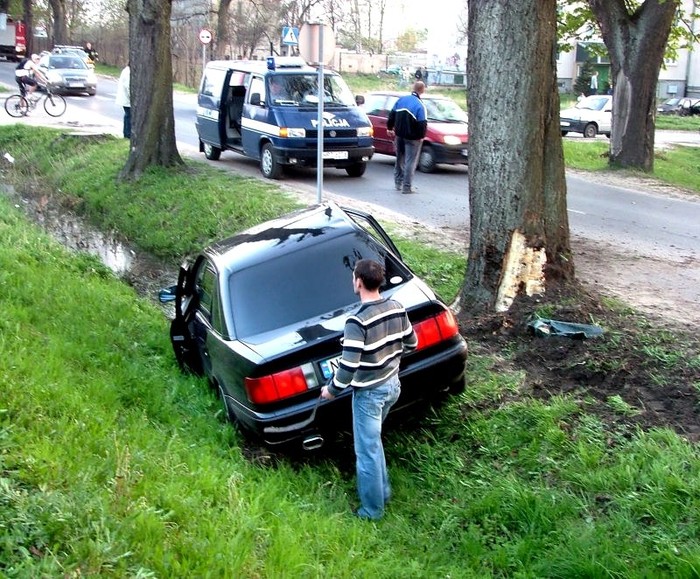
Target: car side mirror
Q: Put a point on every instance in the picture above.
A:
(359, 100)
(255, 99)
(167, 295)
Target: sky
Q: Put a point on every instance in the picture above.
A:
(439, 17)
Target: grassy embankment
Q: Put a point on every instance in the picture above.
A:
(113, 463)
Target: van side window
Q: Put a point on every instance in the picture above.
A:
(257, 87)
(212, 84)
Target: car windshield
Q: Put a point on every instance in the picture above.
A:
(444, 110)
(304, 284)
(592, 103)
(302, 89)
(66, 62)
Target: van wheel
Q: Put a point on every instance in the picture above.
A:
(590, 131)
(426, 159)
(356, 170)
(269, 167)
(212, 153)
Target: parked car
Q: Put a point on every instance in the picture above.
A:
(68, 73)
(591, 116)
(685, 106)
(261, 315)
(446, 141)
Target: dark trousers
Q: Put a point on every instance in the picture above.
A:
(127, 122)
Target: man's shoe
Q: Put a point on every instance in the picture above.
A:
(408, 191)
(398, 185)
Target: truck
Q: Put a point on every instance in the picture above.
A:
(13, 39)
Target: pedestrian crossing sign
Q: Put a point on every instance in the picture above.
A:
(290, 36)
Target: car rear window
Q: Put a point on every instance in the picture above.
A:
(304, 284)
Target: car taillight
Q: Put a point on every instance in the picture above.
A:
(281, 385)
(436, 329)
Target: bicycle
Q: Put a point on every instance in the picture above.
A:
(18, 106)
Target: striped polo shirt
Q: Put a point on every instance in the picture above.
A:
(374, 339)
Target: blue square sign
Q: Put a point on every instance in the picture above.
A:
(290, 36)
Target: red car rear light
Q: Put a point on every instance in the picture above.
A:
(280, 385)
(436, 329)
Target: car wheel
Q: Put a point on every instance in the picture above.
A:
(590, 131)
(92, 93)
(269, 166)
(211, 152)
(564, 133)
(426, 160)
(356, 170)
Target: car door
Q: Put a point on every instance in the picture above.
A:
(377, 108)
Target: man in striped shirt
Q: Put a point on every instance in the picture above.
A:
(373, 342)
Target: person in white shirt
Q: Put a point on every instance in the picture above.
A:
(123, 98)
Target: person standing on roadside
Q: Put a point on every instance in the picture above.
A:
(91, 52)
(123, 98)
(407, 123)
(374, 339)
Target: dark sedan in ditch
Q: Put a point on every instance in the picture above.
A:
(262, 313)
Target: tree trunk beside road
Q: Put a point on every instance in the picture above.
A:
(519, 238)
(152, 119)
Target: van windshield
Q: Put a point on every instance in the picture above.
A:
(301, 90)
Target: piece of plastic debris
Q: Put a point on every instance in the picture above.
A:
(9, 157)
(544, 327)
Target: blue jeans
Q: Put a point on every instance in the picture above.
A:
(369, 409)
(407, 152)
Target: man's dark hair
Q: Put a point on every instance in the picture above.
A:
(370, 272)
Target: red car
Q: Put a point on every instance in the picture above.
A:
(447, 136)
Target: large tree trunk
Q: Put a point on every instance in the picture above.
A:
(223, 33)
(636, 43)
(519, 239)
(60, 29)
(29, 25)
(152, 118)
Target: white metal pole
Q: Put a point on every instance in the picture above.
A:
(319, 156)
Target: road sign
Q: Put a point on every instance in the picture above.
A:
(315, 47)
(290, 36)
(205, 36)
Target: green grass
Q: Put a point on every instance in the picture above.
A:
(113, 463)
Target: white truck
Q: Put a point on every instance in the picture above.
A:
(13, 39)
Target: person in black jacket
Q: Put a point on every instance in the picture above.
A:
(407, 123)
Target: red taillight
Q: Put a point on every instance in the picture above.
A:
(436, 329)
(276, 386)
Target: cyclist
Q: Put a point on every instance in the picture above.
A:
(27, 73)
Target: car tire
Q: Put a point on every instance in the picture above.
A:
(564, 133)
(590, 131)
(92, 93)
(269, 166)
(211, 152)
(356, 170)
(426, 159)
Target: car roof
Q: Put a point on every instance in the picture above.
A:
(281, 236)
(282, 65)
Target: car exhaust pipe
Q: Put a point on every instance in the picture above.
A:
(312, 442)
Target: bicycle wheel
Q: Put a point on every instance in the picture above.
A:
(54, 104)
(16, 106)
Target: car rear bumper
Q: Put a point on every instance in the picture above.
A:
(424, 376)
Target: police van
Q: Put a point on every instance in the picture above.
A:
(268, 110)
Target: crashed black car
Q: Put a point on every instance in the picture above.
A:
(262, 313)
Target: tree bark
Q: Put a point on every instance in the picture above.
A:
(519, 238)
(152, 118)
(636, 43)
(29, 25)
(223, 33)
(60, 29)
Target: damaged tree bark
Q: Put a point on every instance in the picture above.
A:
(519, 238)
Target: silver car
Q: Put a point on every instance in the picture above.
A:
(68, 73)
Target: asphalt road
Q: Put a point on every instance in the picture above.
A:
(637, 219)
